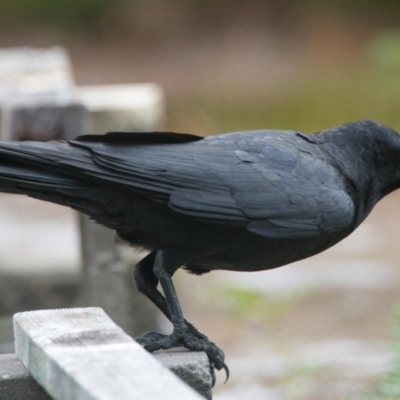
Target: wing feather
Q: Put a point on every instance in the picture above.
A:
(273, 183)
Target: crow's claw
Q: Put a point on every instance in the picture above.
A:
(226, 369)
(192, 340)
(152, 341)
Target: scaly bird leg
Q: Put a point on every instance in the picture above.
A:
(184, 333)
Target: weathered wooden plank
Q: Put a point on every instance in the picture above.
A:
(192, 367)
(80, 354)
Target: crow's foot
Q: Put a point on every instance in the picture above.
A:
(190, 338)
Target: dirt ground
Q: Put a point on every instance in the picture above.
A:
(316, 329)
(323, 326)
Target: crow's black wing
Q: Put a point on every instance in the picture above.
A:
(275, 183)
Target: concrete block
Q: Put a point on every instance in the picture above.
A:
(16, 383)
(192, 367)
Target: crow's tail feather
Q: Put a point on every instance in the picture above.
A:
(21, 173)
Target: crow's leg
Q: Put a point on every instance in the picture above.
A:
(146, 282)
(166, 262)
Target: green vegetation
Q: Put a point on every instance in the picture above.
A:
(300, 380)
(89, 13)
(60, 13)
(253, 304)
(389, 387)
(385, 49)
(314, 104)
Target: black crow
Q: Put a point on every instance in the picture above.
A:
(243, 201)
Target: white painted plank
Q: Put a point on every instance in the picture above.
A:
(80, 354)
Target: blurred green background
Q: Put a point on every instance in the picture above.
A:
(232, 65)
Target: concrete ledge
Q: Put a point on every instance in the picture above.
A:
(15, 381)
(80, 354)
(192, 367)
